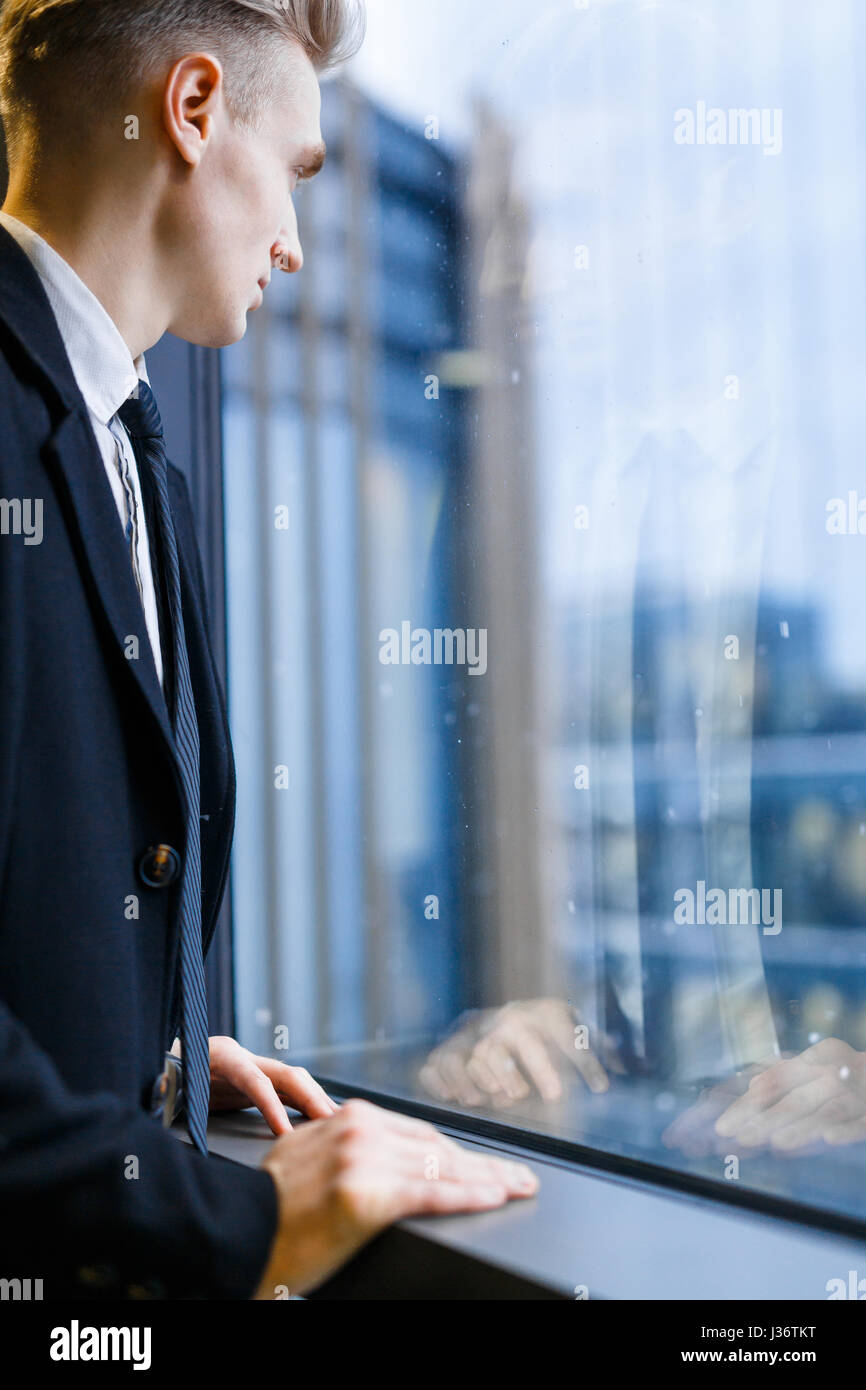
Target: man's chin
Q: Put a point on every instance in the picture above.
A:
(213, 335)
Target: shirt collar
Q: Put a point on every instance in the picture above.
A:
(100, 359)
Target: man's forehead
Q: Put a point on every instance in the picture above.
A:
(301, 81)
(300, 109)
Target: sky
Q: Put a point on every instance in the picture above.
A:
(705, 263)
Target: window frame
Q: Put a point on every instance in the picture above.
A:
(188, 382)
(573, 1235)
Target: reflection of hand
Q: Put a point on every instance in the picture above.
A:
(694, 1132)
(820, 1095)
(503, 1054)
(786, 1104)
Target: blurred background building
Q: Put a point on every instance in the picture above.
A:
(378, 466)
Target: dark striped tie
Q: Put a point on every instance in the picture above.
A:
(141, 418)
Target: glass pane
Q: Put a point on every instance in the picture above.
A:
(548, 682)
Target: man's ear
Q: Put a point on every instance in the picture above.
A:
(193, 92)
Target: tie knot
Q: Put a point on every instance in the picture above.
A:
(140, 414)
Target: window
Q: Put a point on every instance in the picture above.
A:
(545, 550)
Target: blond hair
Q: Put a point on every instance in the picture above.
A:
(64, 63)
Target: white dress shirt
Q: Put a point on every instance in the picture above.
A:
(107, 376)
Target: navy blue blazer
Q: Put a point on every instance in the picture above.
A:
(95, 1195)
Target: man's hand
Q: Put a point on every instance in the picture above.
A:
(785, 1104)
(343, 1179)
(818, 1096)
(694, 1131)
(238, 1079)
(500, 1055)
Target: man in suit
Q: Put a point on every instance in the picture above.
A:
(153, 151)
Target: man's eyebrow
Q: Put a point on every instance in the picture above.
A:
(312, 158)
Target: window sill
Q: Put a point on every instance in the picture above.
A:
(614, 1237)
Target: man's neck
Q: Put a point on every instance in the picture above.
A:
(112, 254)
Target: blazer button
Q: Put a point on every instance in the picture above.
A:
(159, 866)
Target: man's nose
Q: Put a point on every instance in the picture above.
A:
(286, 255)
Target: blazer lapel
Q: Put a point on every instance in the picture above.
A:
(72, 456)
(74, 462)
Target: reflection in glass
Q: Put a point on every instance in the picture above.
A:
(555, 372)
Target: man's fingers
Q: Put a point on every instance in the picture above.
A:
(427, 1198)
(482, 1185)
(765, 1090)
(489, 1068)
(419, 1143)
(456, 1075)
(693, 1132)
(853, 1132)
(461, 1167)
(495, 1055)
(797, 1104)
(431, 1078)
(591, 1070)
(585, 1060)
(295, 1084)
(588, 1065)
(483, 1074)
(260, 1092)
(838, 1110)
(509, 1051)
(535, 1060)
(610, 1054)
